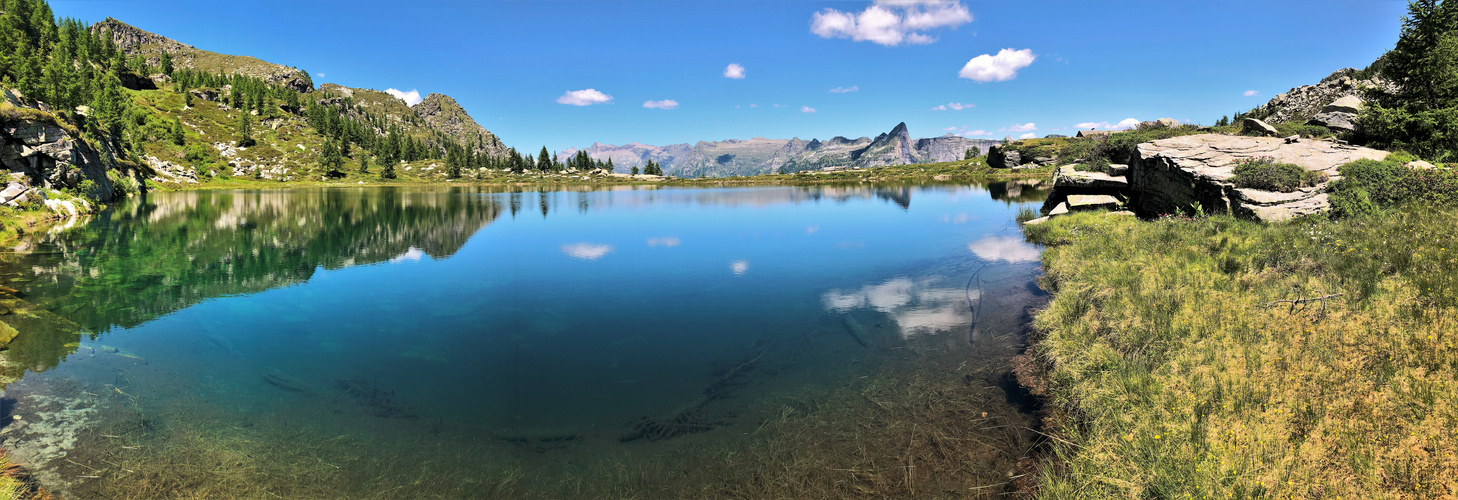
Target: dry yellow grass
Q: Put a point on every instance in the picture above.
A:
(1182, 378)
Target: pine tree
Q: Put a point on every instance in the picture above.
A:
(609, 165)
(388, 172)
(331, 161)
(634, 170)
(175, 129)
(1424, 62)
(245, 130)
(544, 160)
(364, 164)
(167, 63)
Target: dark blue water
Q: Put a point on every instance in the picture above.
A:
(480, 323)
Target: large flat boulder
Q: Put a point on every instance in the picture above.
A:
(1193, 173)
(1069, 177)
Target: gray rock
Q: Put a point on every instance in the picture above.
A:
(1092, 202)
(999, 156)
(1253, 125)
(1335, 120)
(1036, 221)
(1061, 209)
(1118, 169)
(1168, 122)
(1193, 172)
(1346, 104)
(1068, 177)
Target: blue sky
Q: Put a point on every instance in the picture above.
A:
(511, 62)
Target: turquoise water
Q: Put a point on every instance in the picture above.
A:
(475, 326)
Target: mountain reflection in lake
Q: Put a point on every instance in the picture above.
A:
(340, 339)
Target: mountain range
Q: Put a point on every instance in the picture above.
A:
(735, 157)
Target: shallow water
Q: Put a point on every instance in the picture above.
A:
(350, 333)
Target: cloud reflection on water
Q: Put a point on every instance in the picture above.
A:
(1004, 248)
(586, 251)
(917, 307)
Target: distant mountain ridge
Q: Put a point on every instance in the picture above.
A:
(757, 156)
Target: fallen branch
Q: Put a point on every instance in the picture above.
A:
(1303, 302)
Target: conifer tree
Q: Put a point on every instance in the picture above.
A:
(544, 160)
(609, 165)
(245, 130)
(167, 63)
(634, 170)
(331, 161)
(364, 164)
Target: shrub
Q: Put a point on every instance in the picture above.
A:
(1429, 133)
(1368, 186)
(1265, 174)
(124, 185)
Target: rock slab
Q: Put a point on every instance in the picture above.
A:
(1193, 173)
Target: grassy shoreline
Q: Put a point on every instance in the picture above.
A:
(1177, 367)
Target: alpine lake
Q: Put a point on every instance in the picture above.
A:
(483, 342)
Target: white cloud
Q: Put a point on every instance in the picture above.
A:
(954, 106)
(586, 251)
(754, 105)
(1248, 93)
(892, 22)
(999, 68)
(667, 241)
(962, 131)
(1028, 135)
(664, 104)
(735, 71)
(777, 105)
(1020, 128)
(411, 98)
(1124, 124)
(844, 90)
(584, 97)
(807, 109)
(321, 75)
(1007, 248)
(739, 267)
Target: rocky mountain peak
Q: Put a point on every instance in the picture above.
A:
(135, 41)
(442, 113)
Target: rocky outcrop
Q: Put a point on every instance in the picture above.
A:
(1001, 156)
(441, 113)
(1306, 102)
(133, 42)
(1193, 173)
(48, 155)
